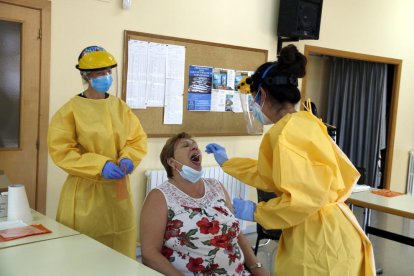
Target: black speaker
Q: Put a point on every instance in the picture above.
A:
(299, 19)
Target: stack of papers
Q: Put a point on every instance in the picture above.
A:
(361, 188)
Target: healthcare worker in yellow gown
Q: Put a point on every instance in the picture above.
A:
(310, 175)
(98, 141)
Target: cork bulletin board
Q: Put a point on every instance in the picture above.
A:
(202, 53)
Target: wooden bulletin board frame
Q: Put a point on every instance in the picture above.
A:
(202, 53)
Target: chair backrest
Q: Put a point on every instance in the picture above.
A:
(261, 232)
(264, 196)
(362, 171)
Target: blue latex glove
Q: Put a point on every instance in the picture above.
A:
(127, 164)
(219, 153)
(112, 171)
(244, 209)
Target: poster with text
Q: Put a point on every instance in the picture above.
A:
(199, 88)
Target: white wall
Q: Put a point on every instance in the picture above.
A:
(375, 27)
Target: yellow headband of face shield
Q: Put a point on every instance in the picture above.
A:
(96, 61)
(244, 85)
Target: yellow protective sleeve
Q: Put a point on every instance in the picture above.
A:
(85, 133)
(136, 141)
(245, 170)
(297, 161)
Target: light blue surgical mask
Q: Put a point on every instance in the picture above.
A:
(259, 115)
(102, 83)
(257, 110)
(190, 174)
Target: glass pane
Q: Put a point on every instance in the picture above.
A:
(10, 55)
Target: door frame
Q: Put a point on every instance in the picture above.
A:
(315, 50)
(44, 7)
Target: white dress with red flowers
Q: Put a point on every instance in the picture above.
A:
(201, 233)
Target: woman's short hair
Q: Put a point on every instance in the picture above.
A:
(167, 151)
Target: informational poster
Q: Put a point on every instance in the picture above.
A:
(214, 89)
(199, 88)
(223, 90)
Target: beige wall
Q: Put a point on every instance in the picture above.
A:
(317, 75)
(376, 27)
(381, 28)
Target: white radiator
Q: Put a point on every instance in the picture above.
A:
(410, 180)
(234, 187)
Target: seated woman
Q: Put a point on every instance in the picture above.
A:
(187, 223)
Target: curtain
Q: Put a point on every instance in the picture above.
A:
(357, 107)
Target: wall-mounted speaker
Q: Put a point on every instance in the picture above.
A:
(299, 19)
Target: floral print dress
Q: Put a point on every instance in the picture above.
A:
(201, 236)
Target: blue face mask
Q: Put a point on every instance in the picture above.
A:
(257, 111)
(190, 174)
(259, 115)
(102, 83)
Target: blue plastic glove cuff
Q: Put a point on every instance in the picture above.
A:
(126, 165)
(112, 171)
(244, 209)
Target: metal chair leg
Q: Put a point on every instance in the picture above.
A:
(256, 248)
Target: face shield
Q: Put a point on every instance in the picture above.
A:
(102, 81)
(98, 70)
(247, 101)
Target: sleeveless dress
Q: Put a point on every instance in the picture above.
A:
(201, 235)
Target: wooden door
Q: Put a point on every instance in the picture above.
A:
(20, 87)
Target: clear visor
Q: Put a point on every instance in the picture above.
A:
(87, 77)
(252, 124)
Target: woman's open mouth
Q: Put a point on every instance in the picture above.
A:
(196, 159)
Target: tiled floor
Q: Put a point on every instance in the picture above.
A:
(394, 258)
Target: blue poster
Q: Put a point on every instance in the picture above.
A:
(199, 88)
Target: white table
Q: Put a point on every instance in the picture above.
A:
(58, 231)
(402, 205)
(73, 255)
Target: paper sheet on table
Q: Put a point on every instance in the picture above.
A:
(361, 188)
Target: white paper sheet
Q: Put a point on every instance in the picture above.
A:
(137, 74)
(361, 188)
(156, 74)
(173, 109)
(218, 100)
(237, 108)
(173, 106)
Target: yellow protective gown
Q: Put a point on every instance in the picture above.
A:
(83, 135)
(312, 178)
